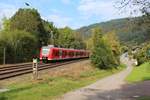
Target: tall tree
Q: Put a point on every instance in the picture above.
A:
(29, 20)
(102, 56)
(114, 43)
(70, 39)
(53, 33)
(66, 37)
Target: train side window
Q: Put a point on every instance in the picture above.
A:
(76, 53)
(57, 53)
(70, 54)
(67, 53)
(64, 53)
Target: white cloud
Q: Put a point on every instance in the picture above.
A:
(66, 1)
(7, 11)
(103, 9)
(56, 11)
(59, 20)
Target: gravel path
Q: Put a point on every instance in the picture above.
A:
(109, 88)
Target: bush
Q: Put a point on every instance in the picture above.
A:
(142, 55)
(103, 56)
(20, 45)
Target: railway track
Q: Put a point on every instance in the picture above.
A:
(16, 70)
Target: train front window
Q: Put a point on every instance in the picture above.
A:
(45, 51)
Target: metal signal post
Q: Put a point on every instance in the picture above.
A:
(4, 56)
(35, 68)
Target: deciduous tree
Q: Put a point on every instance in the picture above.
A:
(29, 20)
(102, 56)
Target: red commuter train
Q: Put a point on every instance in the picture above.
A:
(51, 53)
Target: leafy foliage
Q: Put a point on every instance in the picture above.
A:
(114, 43)
(25, 32)
(20, 45)
(102, 55)
(130, 31)
(143, 54)
(29, 20)
(52, 31)
(70, 39)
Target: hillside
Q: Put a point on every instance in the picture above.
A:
(126, 29)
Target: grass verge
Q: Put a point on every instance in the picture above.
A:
(140, 73)
(144, 98)
(50, 88)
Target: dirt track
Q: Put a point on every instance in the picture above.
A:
(111, 88)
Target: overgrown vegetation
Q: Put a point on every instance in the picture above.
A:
(104, 54)
(143, 54)
(20, 45)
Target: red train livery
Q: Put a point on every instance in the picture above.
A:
(51, 53)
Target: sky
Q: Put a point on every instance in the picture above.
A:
(72, 13)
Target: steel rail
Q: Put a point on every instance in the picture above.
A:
(25, 69)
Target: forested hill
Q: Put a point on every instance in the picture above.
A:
(126, 29)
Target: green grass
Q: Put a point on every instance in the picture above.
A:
(144, 98)
(140, 73)
(51, 88)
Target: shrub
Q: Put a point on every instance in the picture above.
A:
(142, 55)
(102, 55)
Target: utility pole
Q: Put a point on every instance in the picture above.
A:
(4, 55)
(52, 37)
